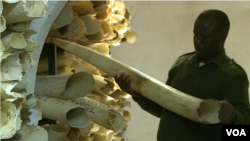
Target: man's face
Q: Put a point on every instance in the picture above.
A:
(207, 38)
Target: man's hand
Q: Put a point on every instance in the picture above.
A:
(227, 112)
(124, 82)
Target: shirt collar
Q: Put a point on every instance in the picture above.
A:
(218, 59)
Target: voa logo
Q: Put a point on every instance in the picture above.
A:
(236, 132)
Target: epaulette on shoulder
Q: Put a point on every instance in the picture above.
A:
(232, 68)
(238, 65)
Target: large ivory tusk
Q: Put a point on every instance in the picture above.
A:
(64, 111)
(64, 18)
(28, 10)
(71, 85)
(204, 111)
(102, 114)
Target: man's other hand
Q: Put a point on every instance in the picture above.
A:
(124, 82)
(227, 112)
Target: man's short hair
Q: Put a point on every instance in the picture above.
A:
(218, 15)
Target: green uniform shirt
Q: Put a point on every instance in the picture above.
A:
(220, 78)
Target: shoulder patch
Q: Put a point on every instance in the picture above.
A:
(232, 68)
(238, 65)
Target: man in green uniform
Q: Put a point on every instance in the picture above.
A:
(206, 73)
